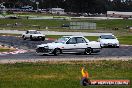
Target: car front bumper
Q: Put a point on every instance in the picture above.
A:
(109, 45)
(42, 50)
(38, 37)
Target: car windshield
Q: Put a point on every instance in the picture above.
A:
(62, 40)
(107, 37)
(34, 32)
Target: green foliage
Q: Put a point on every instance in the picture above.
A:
(61, 74)
(32, 22)
(4, 50)
(125, 40)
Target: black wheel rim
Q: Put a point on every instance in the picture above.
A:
(88, 51)
(57, 52)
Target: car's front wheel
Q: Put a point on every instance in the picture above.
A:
(88, 51)
(56, 52)
(43, 38)
(31, 38)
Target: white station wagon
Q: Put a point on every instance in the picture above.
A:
(69, 44)
(108, 40)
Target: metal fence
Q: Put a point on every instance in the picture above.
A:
(82, 25)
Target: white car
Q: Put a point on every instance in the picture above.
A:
(33, 34)
(69, 44)
(108, 41)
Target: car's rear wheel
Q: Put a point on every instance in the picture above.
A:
(31, 38)
(24, 38)
(56, 52)
(88, 51)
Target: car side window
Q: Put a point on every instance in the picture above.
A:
(72, 41)
(80, 40)
(27, 32)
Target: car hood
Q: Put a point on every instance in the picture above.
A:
(109, 41)
(50, 45)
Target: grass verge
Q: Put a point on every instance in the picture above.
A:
(6, 49)
(56, 25)
(61, 74)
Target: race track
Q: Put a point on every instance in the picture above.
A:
(123, 51)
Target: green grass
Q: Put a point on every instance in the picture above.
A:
(56, 25)
(54, 36)
(4, 50)
(125, 40)
(113, 23)
(29, 22)
(101, 24)
(61, 74)
(9, 34)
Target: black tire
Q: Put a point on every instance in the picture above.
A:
(117, 46)
(56, 52)
(43, 38)
(24, 38)
(88, 51)
(31, 38)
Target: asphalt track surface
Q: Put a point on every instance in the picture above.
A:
(123, 51)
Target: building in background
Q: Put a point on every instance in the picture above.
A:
(119, 14)
(58, 11)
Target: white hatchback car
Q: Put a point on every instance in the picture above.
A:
(33, 34)
(108, 41)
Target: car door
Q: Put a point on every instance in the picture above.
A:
(27, 34)
(81, 44)
(70, 45)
